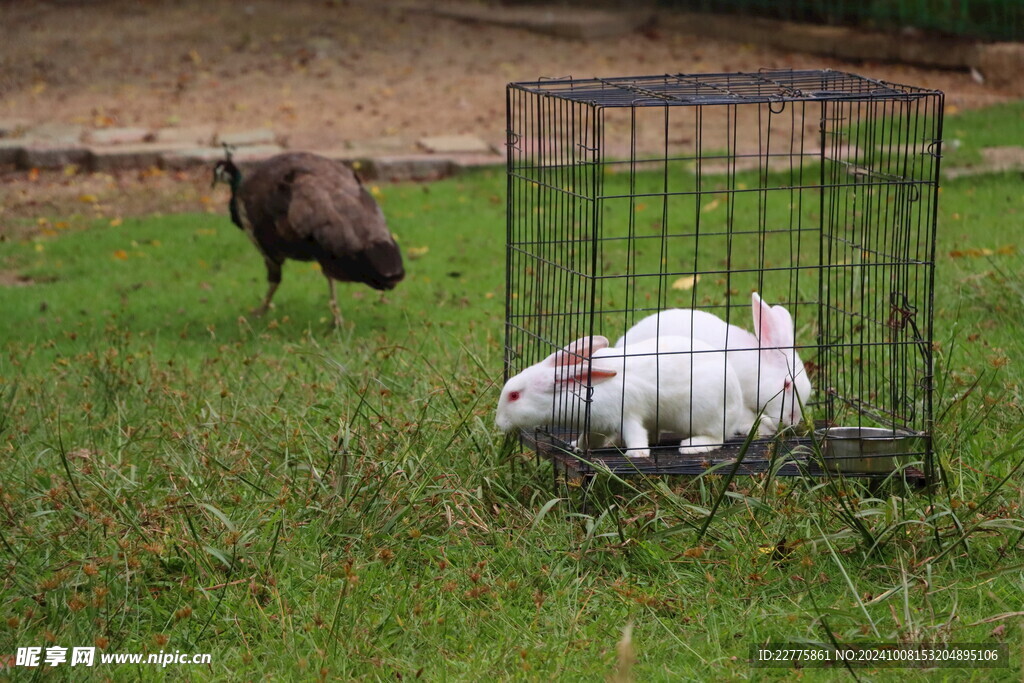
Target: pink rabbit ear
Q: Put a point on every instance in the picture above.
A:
(773, 325)
(578, 351)
(762, 313)
(571, 354)
(782, 326)
(581, 372)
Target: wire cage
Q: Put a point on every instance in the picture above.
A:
(633, 195)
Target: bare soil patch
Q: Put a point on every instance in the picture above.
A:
(47, 203)
(11, 279)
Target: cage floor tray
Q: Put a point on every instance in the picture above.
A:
(785, 458)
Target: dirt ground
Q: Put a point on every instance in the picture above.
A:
(323, 74)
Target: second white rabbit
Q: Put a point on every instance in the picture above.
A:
(771, 374)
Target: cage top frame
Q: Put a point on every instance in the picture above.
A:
(765, 86)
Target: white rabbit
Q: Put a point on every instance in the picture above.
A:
(659, 386)
(771, 374)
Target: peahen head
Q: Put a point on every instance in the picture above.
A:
(226, 172)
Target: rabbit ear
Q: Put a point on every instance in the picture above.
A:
(580, 373)
(578, 351)
(573, 362)
(773, 326)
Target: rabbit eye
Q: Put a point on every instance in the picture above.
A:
(787, 384)
(513, 396)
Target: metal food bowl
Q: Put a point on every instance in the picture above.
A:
(866, 450)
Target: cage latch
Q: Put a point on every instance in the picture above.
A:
(903, 313)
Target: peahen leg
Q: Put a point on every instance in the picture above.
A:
(335, 311)
(274, 280)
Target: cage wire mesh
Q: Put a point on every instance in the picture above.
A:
(629, 196)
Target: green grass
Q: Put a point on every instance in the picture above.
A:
(303, 502)
(967, 133)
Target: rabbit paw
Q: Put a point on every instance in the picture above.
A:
(698, 444)
(767, 427)
(638, 453)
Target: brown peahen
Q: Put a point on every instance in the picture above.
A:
(309, 208)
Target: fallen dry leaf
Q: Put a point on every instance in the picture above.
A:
(686, 282)
(978, 252)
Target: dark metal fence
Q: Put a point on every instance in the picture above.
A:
(994, 20)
